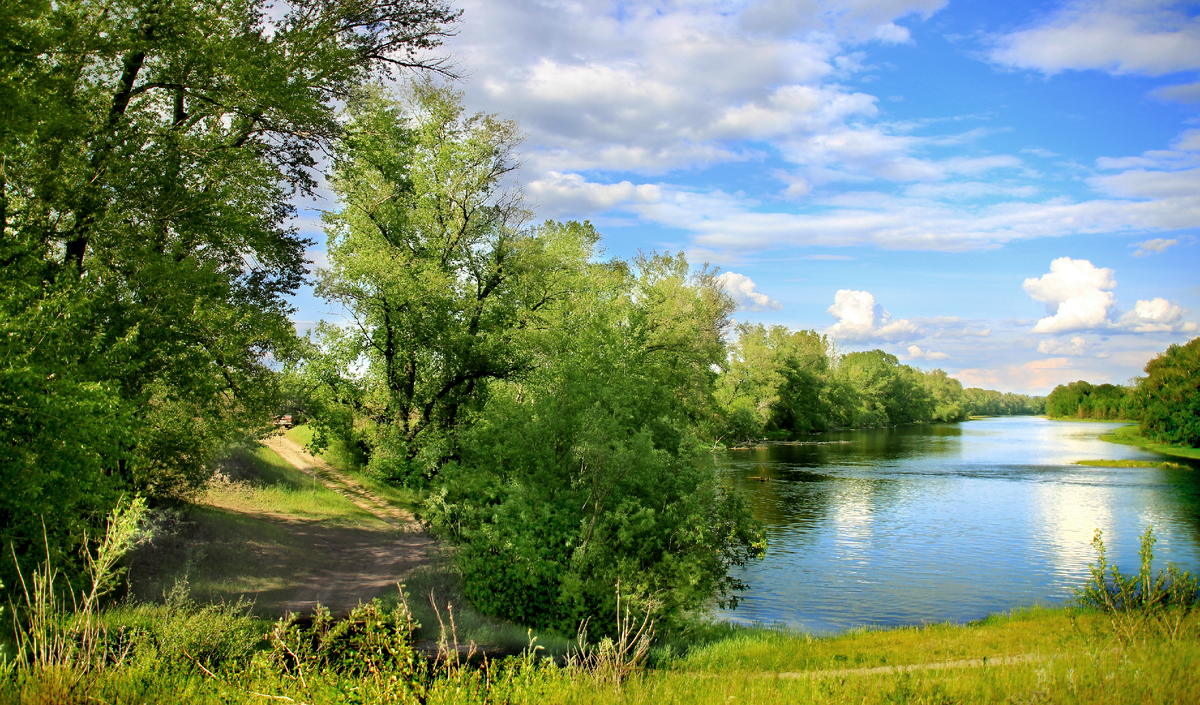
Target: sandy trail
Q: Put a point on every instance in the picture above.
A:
(350, 565)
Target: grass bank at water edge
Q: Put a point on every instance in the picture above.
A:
(1131, 436)
(1037, 655)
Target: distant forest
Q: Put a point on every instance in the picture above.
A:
(778, 384)
(1166, 401)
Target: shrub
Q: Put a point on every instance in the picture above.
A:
(1134, 603)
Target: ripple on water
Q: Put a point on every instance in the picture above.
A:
(935, 523)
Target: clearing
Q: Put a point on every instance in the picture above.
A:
(286, 531)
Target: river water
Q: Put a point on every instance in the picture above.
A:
(949, 522)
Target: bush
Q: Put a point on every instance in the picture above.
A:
(1137, 602)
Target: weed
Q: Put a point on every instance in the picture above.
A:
(1135, 602)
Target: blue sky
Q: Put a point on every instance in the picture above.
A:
(1008, 191)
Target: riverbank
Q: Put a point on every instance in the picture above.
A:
(1131, 436)
(1036, 655)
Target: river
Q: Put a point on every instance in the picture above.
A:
(948, 522)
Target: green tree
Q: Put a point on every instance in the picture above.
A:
(149, 152)
(445, 288)
(1171, 396)
(774, 380)
(945, 396)
(589, 472)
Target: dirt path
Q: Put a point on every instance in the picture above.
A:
(350, 565)
(936, 666)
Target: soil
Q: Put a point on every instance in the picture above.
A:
(351, 565)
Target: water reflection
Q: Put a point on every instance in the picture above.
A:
(948, 522)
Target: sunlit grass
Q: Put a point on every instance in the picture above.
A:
(260, 481)
(1127, 463)
(338, 456)
(1132, 436)
(1064, 657)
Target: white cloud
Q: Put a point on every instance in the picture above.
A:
(1185, 93)
(1075, 348)
(1149, 37)
(1078, 292)
(1156, 246)
(1156, 316)
(648, 88)
(316, 259)
(558, 193)
(860, 319)
(1079, 296)
(746, 293)
(917, 353)
(1034, 377)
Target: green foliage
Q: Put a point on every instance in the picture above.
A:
(1135, 603)
(181, 634)
(589, 473)
(1171, 395)
(445, 287)
(370, 640)
(782, 383)
(1081, 400)
(149, 153)
(989, 402)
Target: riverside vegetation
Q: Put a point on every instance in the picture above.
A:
(549, 412)
(1131, 638)
(1165, 403)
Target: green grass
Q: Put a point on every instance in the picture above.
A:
(341, 458)
(260, 481)
(1076, 418)
(239, 537)
(1132, 436)
(1127, 463)
(1064, 656)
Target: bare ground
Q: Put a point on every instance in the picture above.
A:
(355, 564)
(236, 543)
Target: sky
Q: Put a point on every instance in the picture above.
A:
(1007, 191)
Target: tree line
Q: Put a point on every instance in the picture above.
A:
(1165, 402)
(779, 384)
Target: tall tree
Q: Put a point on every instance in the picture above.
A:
(429, 255)
(1171, 396)
(149, 152)
(588, 473)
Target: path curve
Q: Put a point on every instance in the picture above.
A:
(353, 567)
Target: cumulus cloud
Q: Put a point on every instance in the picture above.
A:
(1075, 348)
(861, 319)
(917, 353)
(1156, 316)
(558, 193)
(1149, 37)
(1077, 292)
(1079, 296)
(746, 293)
(645, 88)
(1155, 246)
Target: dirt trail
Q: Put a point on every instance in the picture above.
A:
(350, 565)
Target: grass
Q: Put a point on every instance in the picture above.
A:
(1055, 655)
(259, 481)
(1127, 463)
(239, 537)
(341, 458)
(1132, 436)
(1088, 420)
